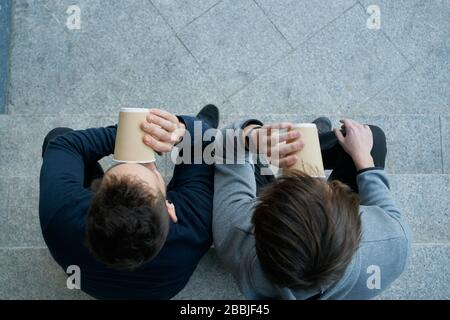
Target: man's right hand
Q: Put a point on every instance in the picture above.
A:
(358, 143)
(162, 130)
(277, 142)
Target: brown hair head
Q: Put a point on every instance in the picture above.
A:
(306, 231)
(127, 223)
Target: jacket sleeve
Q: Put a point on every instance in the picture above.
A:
(63, 169)
(234, 182)
(192, 182)
(386, 244)
(374, 190)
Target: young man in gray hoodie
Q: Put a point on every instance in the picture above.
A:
(298, 237)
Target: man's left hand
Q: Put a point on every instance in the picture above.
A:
(162, 130)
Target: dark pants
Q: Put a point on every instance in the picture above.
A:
(95, 171)
(336, 159)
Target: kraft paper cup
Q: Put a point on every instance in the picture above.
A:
(310, 157)
(130, 146)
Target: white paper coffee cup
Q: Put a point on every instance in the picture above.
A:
(130, 146)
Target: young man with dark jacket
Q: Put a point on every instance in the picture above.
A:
(131, 236)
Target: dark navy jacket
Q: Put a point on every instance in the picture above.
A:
(64, 202)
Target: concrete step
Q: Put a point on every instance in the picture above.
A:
(408, 152)
(423, 199)
(427, 276)
(31, 273)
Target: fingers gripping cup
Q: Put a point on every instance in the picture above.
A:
(130, 146)
(310, 157)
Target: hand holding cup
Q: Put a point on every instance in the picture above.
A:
(162, 130)
(279, 143)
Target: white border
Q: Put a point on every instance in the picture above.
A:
(133, 110)
(304, 125)
(123, 161)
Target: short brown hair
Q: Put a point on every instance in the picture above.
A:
(127, 222)
(306, 231)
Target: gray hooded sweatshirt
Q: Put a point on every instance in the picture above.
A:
(383, 251)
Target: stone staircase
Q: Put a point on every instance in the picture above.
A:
(270, 59)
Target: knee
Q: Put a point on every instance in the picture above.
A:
(52, 135)
(379, 149)
(56, 132)
(379, 138)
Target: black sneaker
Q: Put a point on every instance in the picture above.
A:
(323, 124)
(209, 114)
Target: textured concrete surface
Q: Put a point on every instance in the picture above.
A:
(221, 283)
(415, 26)
(22, 138)
(234, 42)
(5, 29)
(270, 59)
(299, 21)
(123, 55)
(341, 66)
(426, 277)
(40, 276)
(445, 133)
(412, 92)
(425, 202)
(179, 13)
